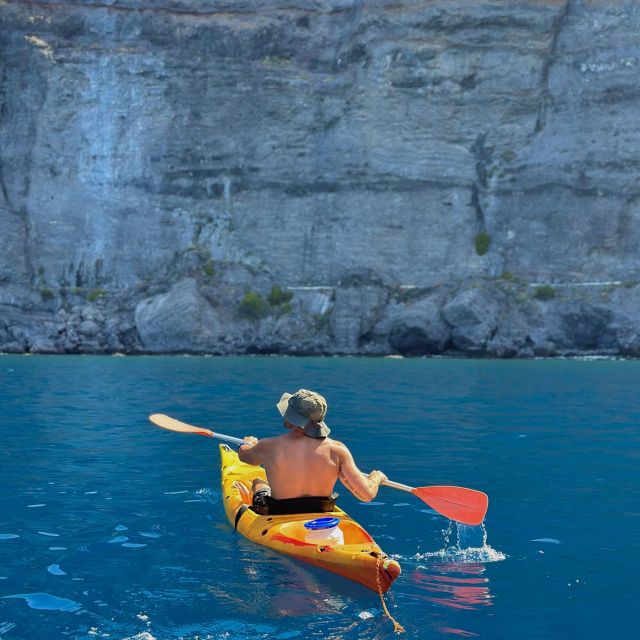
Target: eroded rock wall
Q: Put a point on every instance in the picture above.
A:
(397, 167)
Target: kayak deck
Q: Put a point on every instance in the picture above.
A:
(359, 558)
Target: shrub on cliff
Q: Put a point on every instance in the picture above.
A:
(280, 300)
(544, 292)
(252, 306)
(482, 242)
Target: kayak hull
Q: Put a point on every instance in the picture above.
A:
(359, 558)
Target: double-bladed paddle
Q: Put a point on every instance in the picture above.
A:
(467, 506)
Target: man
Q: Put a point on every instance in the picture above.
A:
(302, 465)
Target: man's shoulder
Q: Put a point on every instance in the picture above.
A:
(337, 445)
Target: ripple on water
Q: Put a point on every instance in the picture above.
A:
(8, 536)
(548, 540)
(236, 629)
(54, 569)
(456, 586)
(46, 601)
(212, 496)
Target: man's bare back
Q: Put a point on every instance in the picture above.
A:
(302, 465)
(298, 466)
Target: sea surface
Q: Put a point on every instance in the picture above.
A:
(113, 528)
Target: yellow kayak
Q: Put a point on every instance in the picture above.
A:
(349, 551)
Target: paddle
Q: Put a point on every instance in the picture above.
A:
(171, 424)
(467, 506)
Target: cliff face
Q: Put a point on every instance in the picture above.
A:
(422, 177)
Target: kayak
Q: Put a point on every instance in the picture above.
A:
(346, 548)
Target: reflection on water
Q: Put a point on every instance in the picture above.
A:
(454, 576)
(459, 586)
(296, 590)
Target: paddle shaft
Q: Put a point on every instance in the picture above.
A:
(457, 503)
(397, 485)
(231, 439)
(171, 424)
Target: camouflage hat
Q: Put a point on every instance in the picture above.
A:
(305, 409)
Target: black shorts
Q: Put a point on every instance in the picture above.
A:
(264, 504)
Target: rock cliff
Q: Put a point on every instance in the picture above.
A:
(320, 176)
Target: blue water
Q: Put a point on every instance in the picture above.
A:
(111, 528)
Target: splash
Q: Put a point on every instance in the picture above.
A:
(469, 547)
(212, 496)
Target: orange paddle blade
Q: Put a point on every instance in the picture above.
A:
(171, 424)
(456, 503)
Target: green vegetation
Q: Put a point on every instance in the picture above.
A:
(276, 61)
(510, 278)
(47, 294)
(482, 242)
(94, 294)
(280, 299)
(322, 321)
(208, 269)
(544, 292)
(253, 306)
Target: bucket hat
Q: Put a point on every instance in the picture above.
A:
(305, 409)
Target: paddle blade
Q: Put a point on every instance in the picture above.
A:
(456, 503)
(171, 424)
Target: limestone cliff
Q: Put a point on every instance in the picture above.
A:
(320, 176)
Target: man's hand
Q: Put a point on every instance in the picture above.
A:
(252, 450)
(377, 477)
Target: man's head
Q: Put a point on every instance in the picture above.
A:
(305, 409)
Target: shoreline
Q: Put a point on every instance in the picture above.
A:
(584, 358)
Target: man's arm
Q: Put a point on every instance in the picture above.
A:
(252, 451)
(362, 486)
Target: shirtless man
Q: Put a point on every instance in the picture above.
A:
(302, 465)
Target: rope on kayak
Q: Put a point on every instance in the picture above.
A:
(397, 627)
